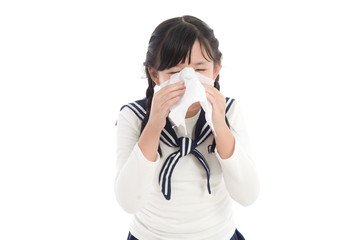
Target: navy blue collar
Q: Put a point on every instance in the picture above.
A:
(183, 145)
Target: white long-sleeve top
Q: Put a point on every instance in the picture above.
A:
(191, 213)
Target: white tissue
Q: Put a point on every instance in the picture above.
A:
(195, 92)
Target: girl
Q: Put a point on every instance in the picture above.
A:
(181, 186)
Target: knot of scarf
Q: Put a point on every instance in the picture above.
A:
(187, 146)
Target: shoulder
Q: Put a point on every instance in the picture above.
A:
(232, 106)
(132, 112)
(138, 107)
(229, 103)
(233, 110)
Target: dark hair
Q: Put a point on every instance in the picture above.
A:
(170, 43)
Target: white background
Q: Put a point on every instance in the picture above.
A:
(66, 68)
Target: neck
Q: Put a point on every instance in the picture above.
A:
(191, 113)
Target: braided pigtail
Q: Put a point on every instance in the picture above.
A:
(170, 44)
(149, 97)
(213, 145)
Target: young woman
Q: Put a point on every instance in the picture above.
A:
(177, 185)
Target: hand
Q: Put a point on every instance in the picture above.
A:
(225, 140)
(161, 103)
(218, 102)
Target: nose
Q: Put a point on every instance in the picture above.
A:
(188, 73)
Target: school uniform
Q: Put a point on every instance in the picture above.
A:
(186, 193)
(237, 236)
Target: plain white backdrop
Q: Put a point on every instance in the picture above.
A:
(66, 68)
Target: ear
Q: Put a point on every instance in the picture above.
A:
(154, 75)
(217, 68)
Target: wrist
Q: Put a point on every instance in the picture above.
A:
(149, 140)
(221, 127)
(153, 128)
(225, 143)
(148, 143)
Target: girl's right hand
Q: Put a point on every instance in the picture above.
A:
(161, 103)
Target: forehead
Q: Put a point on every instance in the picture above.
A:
(198, 55)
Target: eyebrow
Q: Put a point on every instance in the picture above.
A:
(196, 64)
(199, 63)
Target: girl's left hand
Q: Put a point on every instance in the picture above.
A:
(218, 102)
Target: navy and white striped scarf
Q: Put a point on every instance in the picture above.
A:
(186, 145)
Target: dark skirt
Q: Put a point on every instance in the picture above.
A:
(237, 236)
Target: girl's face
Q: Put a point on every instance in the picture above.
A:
(198, 62)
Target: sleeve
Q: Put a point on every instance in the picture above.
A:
(239, 170)
(134, 173)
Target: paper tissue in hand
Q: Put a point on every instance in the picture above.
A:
(195, 92)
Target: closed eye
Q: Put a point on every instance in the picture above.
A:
(200, 70)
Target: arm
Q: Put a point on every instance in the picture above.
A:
(233, 150)
(134, 172)
(238, 168)
(137, 156)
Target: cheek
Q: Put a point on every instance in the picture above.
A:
(209, 73)
(163, 78)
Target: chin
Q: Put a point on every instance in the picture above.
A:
(194, 106)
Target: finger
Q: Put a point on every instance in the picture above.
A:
(211, 98)
(173, 87)
(170, 88)
(216, 102)
(210, 89)
(170, 102)
(169, 95)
